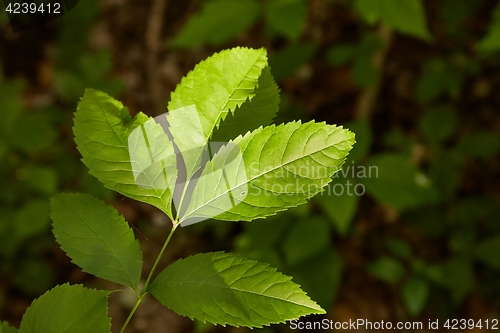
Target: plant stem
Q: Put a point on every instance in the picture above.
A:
(136, 305)
(146, 285)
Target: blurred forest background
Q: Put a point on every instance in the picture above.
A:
(417, 81)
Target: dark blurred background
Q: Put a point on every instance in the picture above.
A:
(408, 231)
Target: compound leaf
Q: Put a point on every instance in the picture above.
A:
(223, 288)
(217, 22)
(68, 308)
(219, 85)
(269, 170)
(96, 238)
(103, 129)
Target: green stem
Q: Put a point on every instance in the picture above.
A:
(175, 224)
(136, 305)
(146, 285)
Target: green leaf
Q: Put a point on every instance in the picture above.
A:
(460, 277)
(364, 139)
(430, 221)
(399, 248)
(11, 103)
(89, 70)
(394, 180)
(33, 133)
(287, 17)
(341, 207)
(491, 42)
(259, 111)
(480, 145)
(42, 179)
(406, 16)
(415, 293)
(341, 54)
(306, 239)
(5, 328)
(488, 251)
(287, 61)
(33, 275)
(96, 238)
(386, 269)
(269, 170)
(321, 276)
(364, 73)
(446, 170)
(219, 85)
(32, 219)
(438, 123)
(438, 77)
(68, 308)
(103, 130)
(217, 22)
(223, 288)
(185, 127)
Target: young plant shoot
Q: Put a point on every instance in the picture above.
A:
(213, 155)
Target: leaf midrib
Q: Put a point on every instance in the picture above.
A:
(240, 290)
(257, 176)
(100, 109)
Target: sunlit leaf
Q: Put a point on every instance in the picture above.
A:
(227, 289)
(219, 85)
(102, 133)
(270, 170)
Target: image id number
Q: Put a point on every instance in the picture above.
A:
(462, 324)
(25, 8)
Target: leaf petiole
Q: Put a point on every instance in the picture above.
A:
(175, 224)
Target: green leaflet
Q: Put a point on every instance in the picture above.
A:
(219, 85)
(281, 166)
(260, 111)
(5, 328)
(223, 288)
(96, 238)
(68, 308)
(185, 127)
(102, 128)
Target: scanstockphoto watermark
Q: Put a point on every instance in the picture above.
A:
(358, 324)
